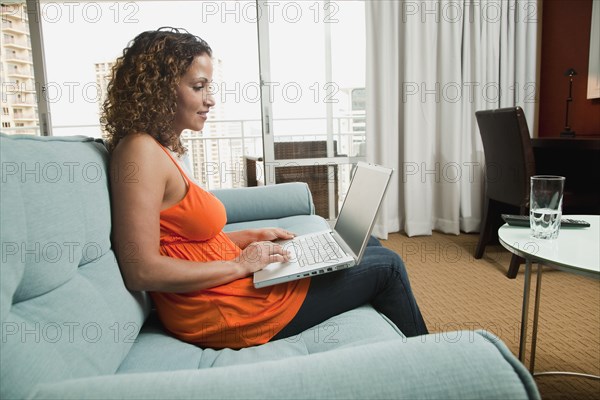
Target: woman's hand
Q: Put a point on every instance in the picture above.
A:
(259, 248)
(273, 234)
(258, 255)
(244, 238)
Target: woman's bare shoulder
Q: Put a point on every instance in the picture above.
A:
(139, 154)
(135, 145)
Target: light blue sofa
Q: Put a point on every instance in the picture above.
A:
(70, 328)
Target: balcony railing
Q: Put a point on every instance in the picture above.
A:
(21, 130)
(216, 156)
(14, 26)
(9, 9)
(217, 159)
(19, 58)
(24, 117)
(15, 42)
(20, 72)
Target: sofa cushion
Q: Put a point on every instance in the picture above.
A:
(283, 200)
(299, 224)
(65, 311)
(156, 351)
(472, 365)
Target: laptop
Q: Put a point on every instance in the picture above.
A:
(344, 245)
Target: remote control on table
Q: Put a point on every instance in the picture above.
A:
(523, 220)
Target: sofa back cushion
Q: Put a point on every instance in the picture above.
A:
(64, 309)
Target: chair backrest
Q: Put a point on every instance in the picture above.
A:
(303, 149)
(509, 160)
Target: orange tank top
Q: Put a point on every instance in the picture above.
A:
(233, 315)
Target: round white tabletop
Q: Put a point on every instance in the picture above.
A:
(576, 250)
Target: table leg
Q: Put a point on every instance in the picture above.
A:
(536, 313)
(524, 321)
(524, 312)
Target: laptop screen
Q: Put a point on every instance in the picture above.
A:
(358, 213)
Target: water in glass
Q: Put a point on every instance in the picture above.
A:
(545, 223)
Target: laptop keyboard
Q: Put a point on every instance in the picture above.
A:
(316, 249)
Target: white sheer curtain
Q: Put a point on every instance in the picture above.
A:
(430, 66)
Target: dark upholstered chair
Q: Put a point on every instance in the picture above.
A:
(509, 163)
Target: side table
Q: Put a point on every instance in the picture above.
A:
(576, 250)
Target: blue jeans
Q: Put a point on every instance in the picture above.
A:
(380, 279)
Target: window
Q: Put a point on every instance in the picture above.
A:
(76, 89)
(16, 71)
(316, 132)
(311, 94)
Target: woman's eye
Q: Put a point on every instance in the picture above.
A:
(198, 88)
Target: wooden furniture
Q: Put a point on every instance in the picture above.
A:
(317, 176)
(578, 160)
(509, 163)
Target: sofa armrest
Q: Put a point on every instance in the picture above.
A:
(459, 365)
(266, 202)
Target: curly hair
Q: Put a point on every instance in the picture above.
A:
(141, 95)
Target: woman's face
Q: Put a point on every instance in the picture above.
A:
(193, 97)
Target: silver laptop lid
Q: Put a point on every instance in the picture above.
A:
(361, 205)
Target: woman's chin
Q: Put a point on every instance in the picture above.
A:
(197, 128)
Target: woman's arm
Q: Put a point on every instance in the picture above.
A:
(144, 181)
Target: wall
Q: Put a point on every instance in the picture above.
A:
(566, 28)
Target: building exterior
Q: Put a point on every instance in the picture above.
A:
(103, 71)
(18, 96)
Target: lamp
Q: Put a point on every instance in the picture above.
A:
(568, 132)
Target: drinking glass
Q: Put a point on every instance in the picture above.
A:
(546, 200)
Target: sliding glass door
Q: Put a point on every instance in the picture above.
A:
(313, 81)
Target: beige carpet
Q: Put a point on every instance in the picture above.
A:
(456, 291)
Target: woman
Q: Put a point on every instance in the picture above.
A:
(168, 231)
